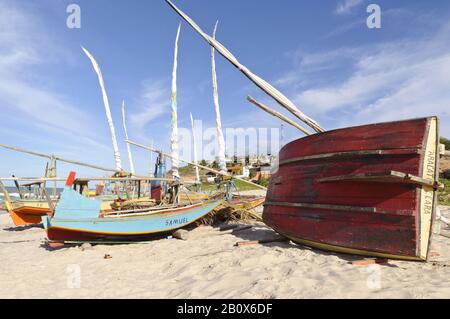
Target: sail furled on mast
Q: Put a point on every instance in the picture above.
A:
(262, 84)
(130, 157)
(97, 70)
(220, 138)
(174, 113)
(194, 144)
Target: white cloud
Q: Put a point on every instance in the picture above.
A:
(346, 6)
(28, 104)
(23, 46)
(153, 102)
(395, 80)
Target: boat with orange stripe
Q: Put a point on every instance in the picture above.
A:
(78, 218)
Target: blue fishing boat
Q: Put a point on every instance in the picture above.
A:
(78, 218)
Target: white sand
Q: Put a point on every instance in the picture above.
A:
(207, 266)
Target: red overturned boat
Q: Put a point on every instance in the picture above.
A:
(368, 190)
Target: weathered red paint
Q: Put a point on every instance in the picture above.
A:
(393, 226)
(157, 193)
(64, 235)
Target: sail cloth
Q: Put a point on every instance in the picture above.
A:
(220, 138)
(130, 157)
(197, 174)
(262, 84)
(107, 109)
(174, 137)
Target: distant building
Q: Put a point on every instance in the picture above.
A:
(234, 170)
(210, 177)
(240, 171)
(265, 171)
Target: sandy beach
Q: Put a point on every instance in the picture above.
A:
(208, 265)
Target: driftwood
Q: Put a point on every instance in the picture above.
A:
(181, 234)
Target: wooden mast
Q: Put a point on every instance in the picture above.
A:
(262, 84)
(277, 114)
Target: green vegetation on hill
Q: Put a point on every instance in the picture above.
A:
(444, 194)
(446, 142)
(241, 186)
(189, 170)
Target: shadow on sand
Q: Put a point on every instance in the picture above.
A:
(262, 232)
(22, 228)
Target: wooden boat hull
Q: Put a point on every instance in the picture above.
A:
(126, 227)
(29, 215)
(368, 190)
(25, 213)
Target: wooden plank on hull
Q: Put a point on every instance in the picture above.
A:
(337, 155)
(324, 206)
(382, 177)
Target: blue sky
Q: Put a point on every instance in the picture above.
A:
(319, 53)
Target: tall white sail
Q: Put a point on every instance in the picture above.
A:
(174, 137)
(130, 157)
(197, 174)
(220, 138)
(107, 110)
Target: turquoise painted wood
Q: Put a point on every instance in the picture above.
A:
(73, 205)
(134, 225)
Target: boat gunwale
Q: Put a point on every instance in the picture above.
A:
(49, 227)
(135, 217)
(426, 118)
